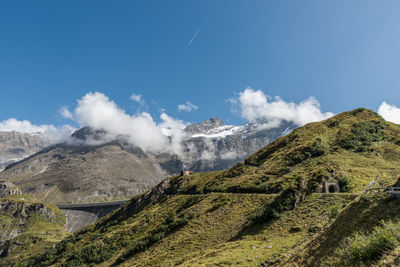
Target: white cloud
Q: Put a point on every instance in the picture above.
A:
(51, 132)
(23, 126)
(137, 98)
(389, 112)
(64, 111)
(255, 105)
(98, 111)
(230, 155)
(175, 130)
(207, 155)
(234, 104)
(188, 106)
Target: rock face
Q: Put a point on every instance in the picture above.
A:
(17, 217)
(97, 166)
(8, 189)
(204, 126)
(15, 146)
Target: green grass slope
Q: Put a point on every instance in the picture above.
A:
(27, 228)
(268, 210)
(364, 233)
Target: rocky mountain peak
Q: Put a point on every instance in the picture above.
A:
(88, 133)
(204, 126)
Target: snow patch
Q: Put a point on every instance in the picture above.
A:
(219, 132)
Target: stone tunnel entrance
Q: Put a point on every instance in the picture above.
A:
(331, 187)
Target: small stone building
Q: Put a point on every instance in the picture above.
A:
(331, 186)
(8, 189)
(186, 172)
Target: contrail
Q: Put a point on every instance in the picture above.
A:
(197, 31)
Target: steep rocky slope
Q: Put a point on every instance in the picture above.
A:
(268, 210)
(70, 173)
(15, 146)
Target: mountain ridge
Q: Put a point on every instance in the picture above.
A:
(63, 173)
(267, 210)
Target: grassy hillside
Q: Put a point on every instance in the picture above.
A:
(358, 146)
(267, 210)
(27, 228)
(355, 237)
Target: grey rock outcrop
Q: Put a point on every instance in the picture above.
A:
(17, 217)
(204, 126)
(15, 146)
(8, 189)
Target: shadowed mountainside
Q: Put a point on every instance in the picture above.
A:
(68, 173)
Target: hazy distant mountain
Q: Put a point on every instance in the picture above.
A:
(15, 146)
(98, 166)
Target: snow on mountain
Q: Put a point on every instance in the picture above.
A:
(219, 132)
(216, 146)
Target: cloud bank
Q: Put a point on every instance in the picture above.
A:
(98, 111)
(51, 132)
(255, 105)
(389, 112)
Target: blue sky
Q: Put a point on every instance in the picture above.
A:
(52, 53)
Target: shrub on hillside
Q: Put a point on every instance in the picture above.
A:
(367, 248)
(219, 202)
(362, 135)
(91, 254)
(344, 184)
(284, 201)
(334, 123)
(283, 171)
(317, 149)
